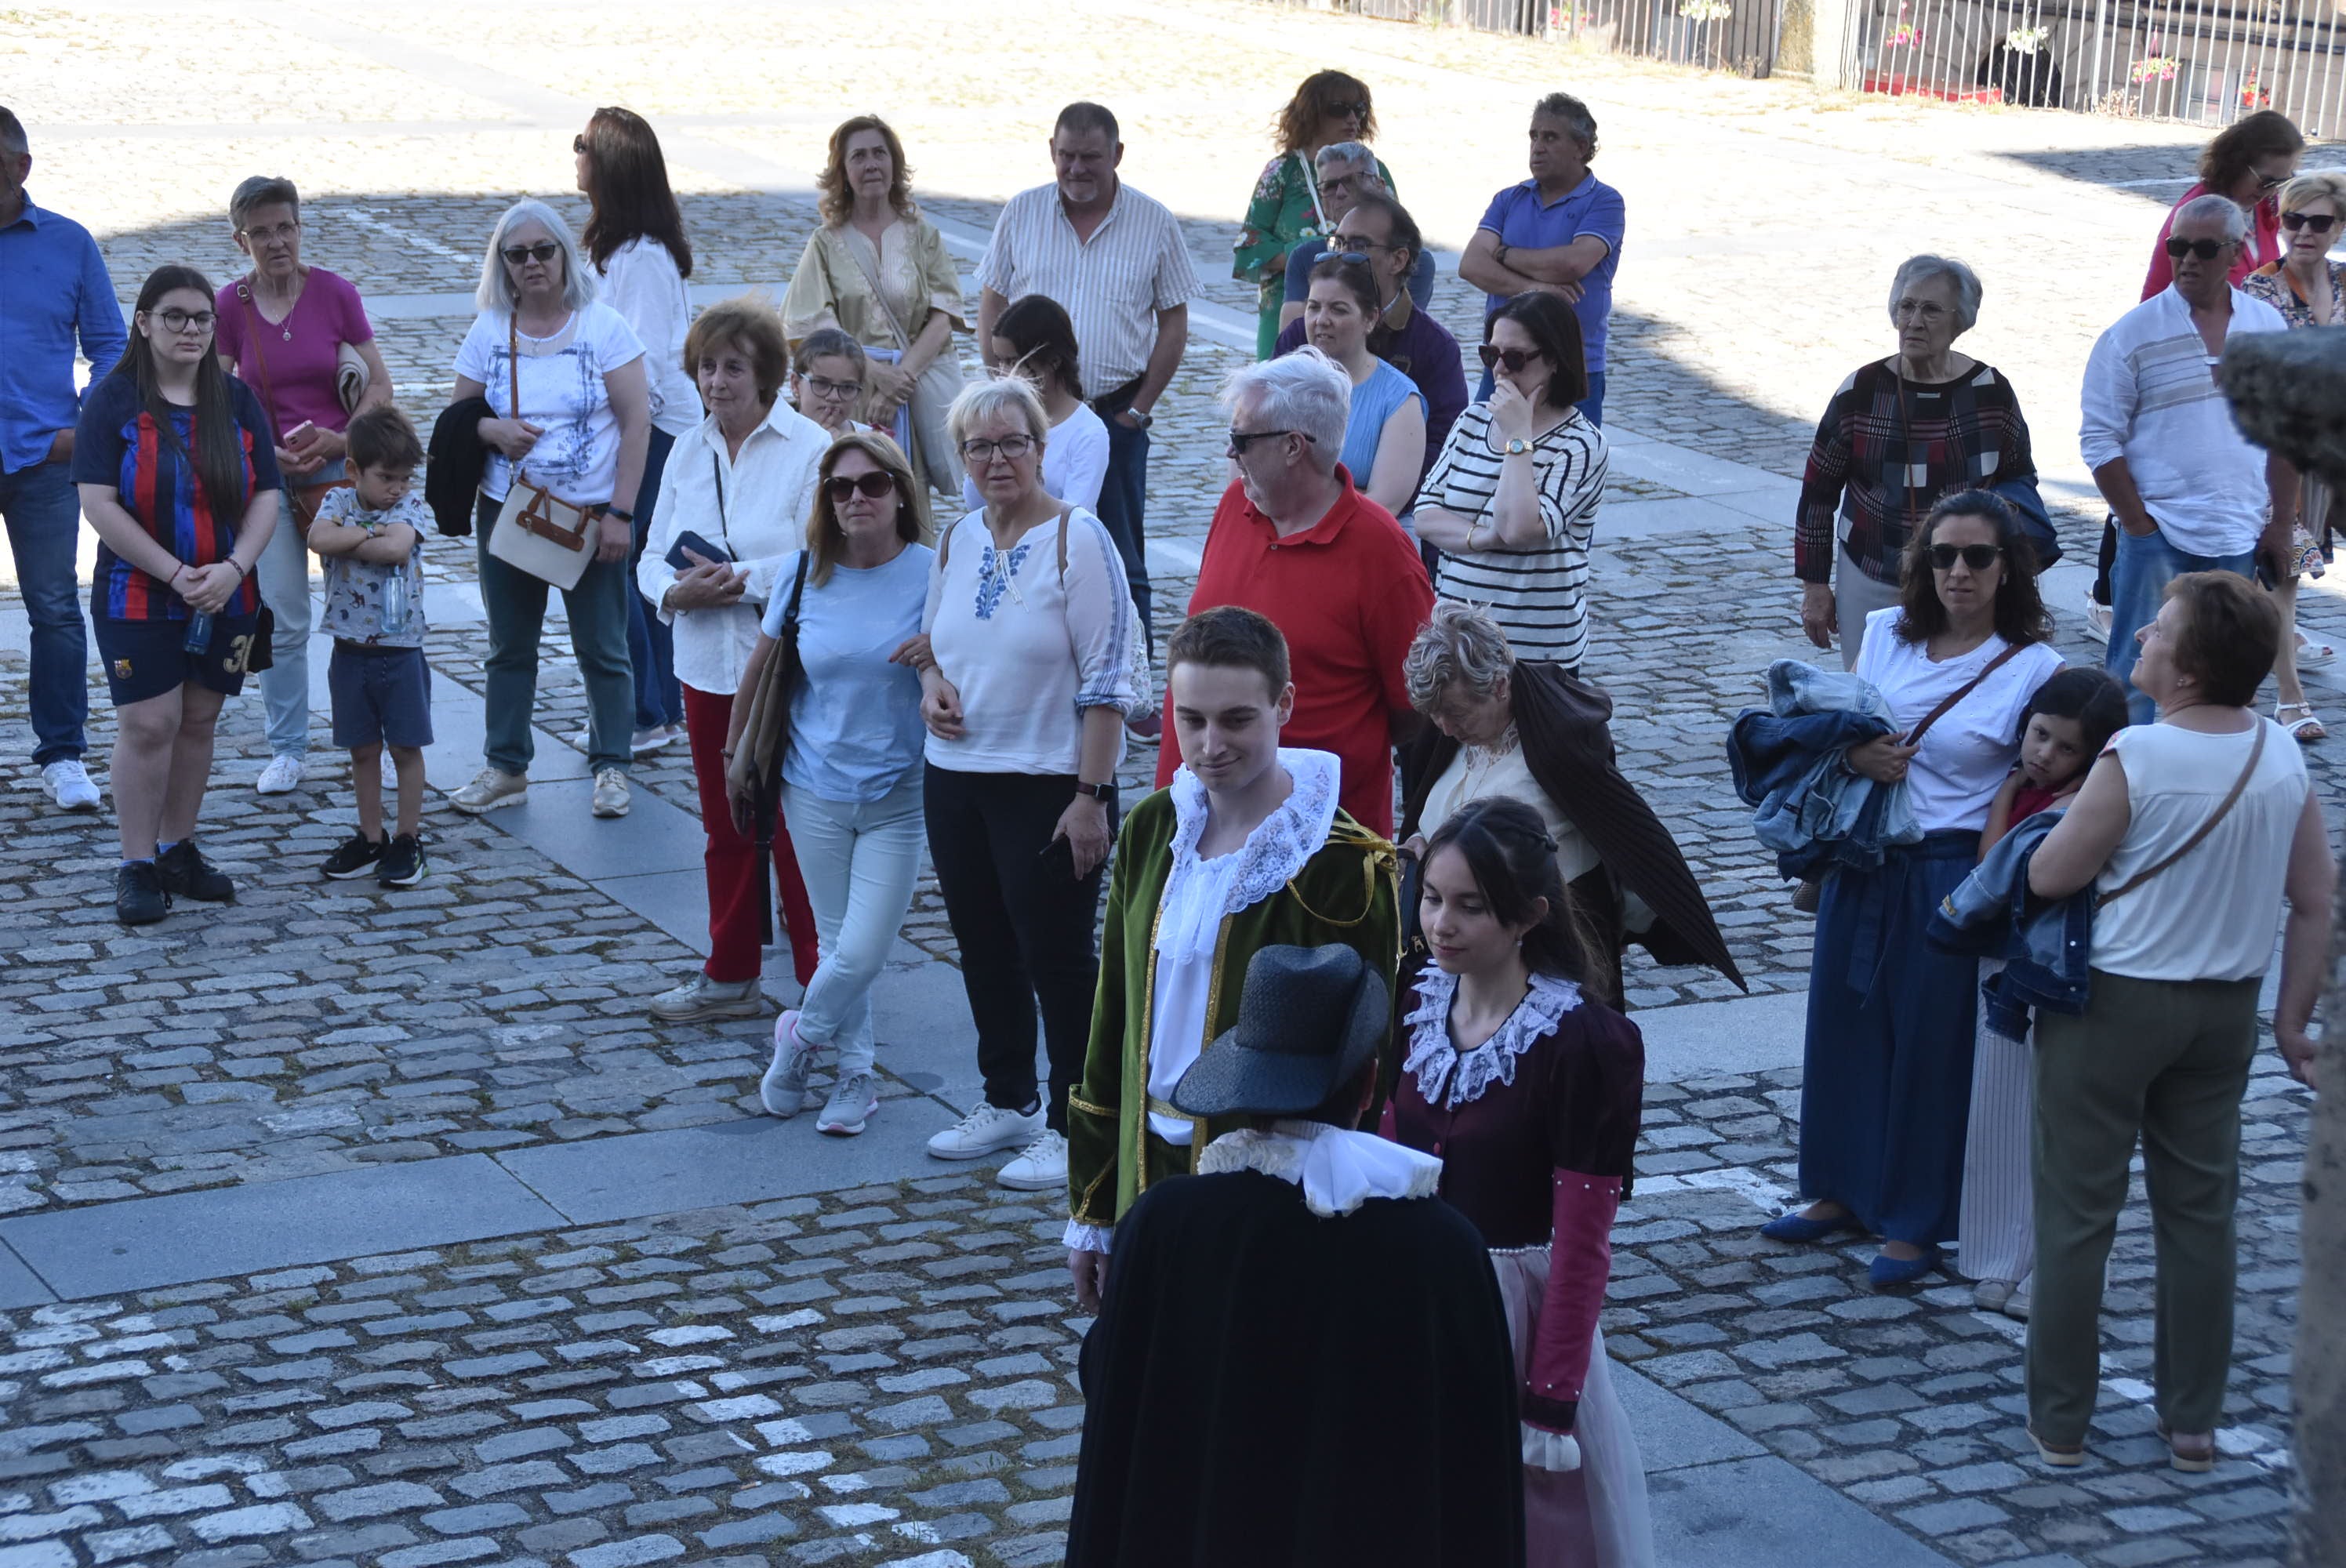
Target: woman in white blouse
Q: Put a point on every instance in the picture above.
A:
(743, 481)
(1035, 339)
(635, 237)
(1023, 690)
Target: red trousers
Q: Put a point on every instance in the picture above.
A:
(736, 884)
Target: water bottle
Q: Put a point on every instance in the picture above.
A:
(396, 603)
(199, 631)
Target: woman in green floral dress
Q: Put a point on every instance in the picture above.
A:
(1330, 107)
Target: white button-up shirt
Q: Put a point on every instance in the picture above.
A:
(755, 506)
(1112, 285)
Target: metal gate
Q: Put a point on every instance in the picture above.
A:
(2207, 61)
(1739, 36)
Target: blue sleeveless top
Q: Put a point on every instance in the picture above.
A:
(1373, 401)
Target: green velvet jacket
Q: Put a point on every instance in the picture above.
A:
(1348, 892)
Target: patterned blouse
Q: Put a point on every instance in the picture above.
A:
(1285, 209)
(2278, 289)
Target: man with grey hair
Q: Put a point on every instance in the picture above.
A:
(56, 293)
(2187, 491)
(1346, 170)
(1294, 540)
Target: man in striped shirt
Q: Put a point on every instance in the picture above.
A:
(1116, 260)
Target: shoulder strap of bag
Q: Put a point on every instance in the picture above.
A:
(873, 279)
(1066, 512)
(1914, 736)
(798, 593)
(724, 525)
(513, 372)
(1311, 184)
(252, 325)
(2240, 786)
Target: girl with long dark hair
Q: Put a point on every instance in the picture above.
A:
(1034, 338)
(635, 239)
(178, 476)
(1529, 1086)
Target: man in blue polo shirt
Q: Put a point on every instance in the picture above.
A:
(1558, 232)
(57, 292)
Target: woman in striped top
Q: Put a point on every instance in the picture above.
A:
(1512, 501)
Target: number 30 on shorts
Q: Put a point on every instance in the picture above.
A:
(239, 649)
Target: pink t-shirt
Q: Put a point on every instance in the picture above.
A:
(291, 367)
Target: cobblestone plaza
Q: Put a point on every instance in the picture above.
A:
(342, 1226)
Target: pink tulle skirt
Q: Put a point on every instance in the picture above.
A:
(1595, 1516)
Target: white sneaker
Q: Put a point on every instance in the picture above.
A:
(989, 1129)
(67, 783)
(1042, 1168)
(489, 789)
(783, 1090)
(652, 739)
(611, 793)
(281, 776)
(701, 997)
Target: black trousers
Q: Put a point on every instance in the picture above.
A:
(1028, 932)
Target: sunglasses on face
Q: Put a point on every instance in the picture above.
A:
(1338, 111)
(2206, 249)
(1514, 359)
(543, 251)
(2320, 223)
(1242, 439)
(840, 486)
(1978, 557)
(185, 321)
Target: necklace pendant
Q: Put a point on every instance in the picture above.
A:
(289, 334)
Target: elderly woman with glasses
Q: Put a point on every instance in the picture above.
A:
(1289, 204)
(1899, 433)
(877, 269)
(579, 432)
(290, 333)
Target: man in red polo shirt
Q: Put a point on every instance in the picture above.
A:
(1294, 540)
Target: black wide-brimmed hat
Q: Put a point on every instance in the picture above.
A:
(1309, 1018)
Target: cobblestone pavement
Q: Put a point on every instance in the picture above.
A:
(882, 1376)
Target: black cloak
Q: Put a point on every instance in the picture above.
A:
(1265, 1387)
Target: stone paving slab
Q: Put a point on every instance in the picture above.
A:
(19, 1286)
(1766, 1510)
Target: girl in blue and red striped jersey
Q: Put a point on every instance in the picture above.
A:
(178, 476)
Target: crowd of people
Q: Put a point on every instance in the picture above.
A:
(740, 507)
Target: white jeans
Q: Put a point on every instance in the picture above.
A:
(284, 572)
(860, 860)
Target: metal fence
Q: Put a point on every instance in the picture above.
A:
(2207, 61)
(1739, 36)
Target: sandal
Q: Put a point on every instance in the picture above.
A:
(2311, 652)
(2305, 729)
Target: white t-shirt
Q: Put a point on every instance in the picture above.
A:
(1964, 759)
(2212, 914)
(1075, 462)
(562, 392)
(640, 282)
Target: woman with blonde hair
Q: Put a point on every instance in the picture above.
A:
(878, 270)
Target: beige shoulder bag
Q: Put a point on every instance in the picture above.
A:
(538, 532)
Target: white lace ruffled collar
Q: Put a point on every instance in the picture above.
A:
(1199, 893)
(1449, 1077)
(1338, 1170)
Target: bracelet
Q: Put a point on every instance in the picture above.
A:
(621, 513)
(177, 568)
(242, 571)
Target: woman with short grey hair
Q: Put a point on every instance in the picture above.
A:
(1899, 433)
(564, 375)
(283, 329)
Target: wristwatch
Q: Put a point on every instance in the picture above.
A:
(1103, 793)
(1516, 446)
(1142, 416)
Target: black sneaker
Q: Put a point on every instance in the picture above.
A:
(354, 857)
(187, 874)
(402, 863)
(138, 895)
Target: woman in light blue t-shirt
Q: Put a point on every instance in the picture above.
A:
(852, 775)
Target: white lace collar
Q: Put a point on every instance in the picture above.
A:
(1199, 893)
(1442, 1069)
(1338, 1170)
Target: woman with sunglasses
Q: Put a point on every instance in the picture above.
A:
(178, 472)
(2247, 163)
(2309, 289)
(1512, 501)
(1036, 340)
(732, 506)
(1330, 107)
(852, 775)
(1886, 1083)
(1384, 432)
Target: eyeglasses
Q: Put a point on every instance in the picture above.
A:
(177, 320)
(1917, 309)
(1338, 111)
(1242, 439)
(834, 392)
(543, 251)
(1515, 359)
(1355, 249)
(578, 143)
(1978, 557)
(1012, 447)
(839, 486)
(2320, 223)
(2206, 249)
(278, 233)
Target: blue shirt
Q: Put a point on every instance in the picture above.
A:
(1373, 401)
(1307, 253)
(855, 719)
(1517, 216)
(57, 290)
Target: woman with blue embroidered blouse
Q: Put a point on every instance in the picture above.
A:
(1025, 682)
(1529, 1087)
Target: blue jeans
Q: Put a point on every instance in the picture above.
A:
(1592, 407)
(1123, 498)
(2147, 563)
(43, 511)
(516, 603)
(651, 641)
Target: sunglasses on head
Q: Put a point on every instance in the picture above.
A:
(2320, 223)
(543, 251)
(2206, 249)
(1978, 557)
(1515, 359)
(840, 486)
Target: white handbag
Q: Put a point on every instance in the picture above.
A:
(537, 532)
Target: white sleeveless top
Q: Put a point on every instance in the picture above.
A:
(2213, 914)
